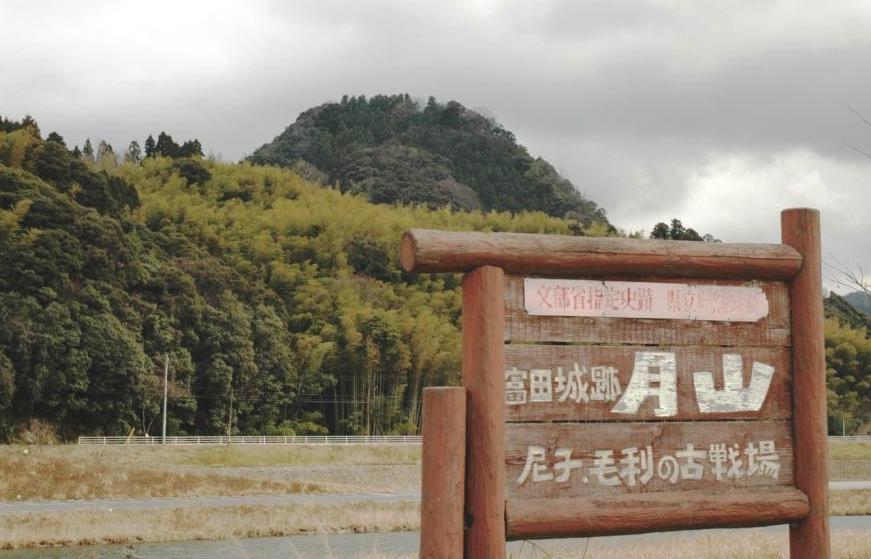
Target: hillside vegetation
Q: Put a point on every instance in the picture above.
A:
(280, 303)
(396, 151)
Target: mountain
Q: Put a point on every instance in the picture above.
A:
(860, 300)
(836, 306)
(395, 151)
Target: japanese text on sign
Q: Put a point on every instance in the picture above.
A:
(637, 466)
(654, 375)
(565, 297)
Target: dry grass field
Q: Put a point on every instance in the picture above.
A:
(89, 472)
(129, 526)
(84, 472)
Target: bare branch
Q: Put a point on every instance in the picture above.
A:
(860, 115)
(847, 276)
(856, 149)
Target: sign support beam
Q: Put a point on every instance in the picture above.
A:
(443, 472)
(808, 539)
(484, 380)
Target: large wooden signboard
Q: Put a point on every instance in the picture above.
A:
(623, 386)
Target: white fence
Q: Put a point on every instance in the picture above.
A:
(258, 440)
(314, 439)
(851, 439)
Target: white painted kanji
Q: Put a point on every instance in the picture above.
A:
(637, 466)
(733, 397)
(515, 387)
(540, 385)
(769, 461)
(690, 469)
(606, 384)
(653, 376)
(536, 464)
(572, 386)
(604, 468)
(563, 468)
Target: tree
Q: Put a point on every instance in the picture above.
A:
(166, 146)
(134, 153)
(55, 137)
(190, 149)
(678, 232)
(150, 146)
(106, 155)
(88, 150)
(30, 123)
(848, 372)
(192, 170)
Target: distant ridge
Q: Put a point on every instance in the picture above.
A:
(395, 151)
(860, 300)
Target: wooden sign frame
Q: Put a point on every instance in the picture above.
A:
(464, 473)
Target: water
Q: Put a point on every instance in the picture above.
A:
(350, 546)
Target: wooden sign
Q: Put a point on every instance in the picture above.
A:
(623, 386)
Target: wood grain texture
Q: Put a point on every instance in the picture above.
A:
(773, 330)
(443, 471)
(800, 228)
(584, 439)
(600, 516)
(593, 397)
(424, 250)
(483, 366)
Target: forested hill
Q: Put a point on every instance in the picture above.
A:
(395, 151)
(280, 304)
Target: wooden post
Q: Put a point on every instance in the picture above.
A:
(443, 472)
(808, 539)
(484, 379)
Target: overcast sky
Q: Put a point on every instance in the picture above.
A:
(720, 116)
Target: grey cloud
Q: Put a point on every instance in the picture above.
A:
(632, 100)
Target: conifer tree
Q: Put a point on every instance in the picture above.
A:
(88, 150)
(149, 146)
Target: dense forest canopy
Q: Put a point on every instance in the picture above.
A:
(280, 304)
(395, 150)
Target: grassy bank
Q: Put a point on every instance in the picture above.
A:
(90, 472)
(267, 455)
(72, 472)
(126, 526)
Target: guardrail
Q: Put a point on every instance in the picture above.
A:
(259, 440)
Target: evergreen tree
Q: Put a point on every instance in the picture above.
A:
(166, 146)
(88, 150)
(31, 124)
(149, 146)
(190, 148)
(55, 137)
